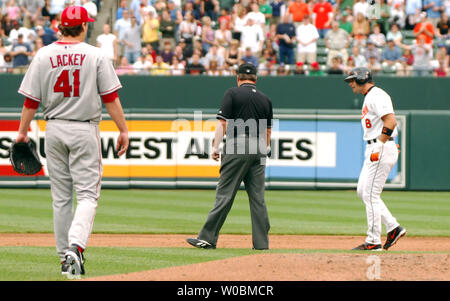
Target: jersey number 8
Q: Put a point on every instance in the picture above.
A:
(368, 124)
(62, 84)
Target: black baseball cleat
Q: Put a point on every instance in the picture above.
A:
(75, 259)
(65, 268)
(393, 236)
(368, 247)
(199, 243)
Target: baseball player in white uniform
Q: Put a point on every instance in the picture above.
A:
(71, 80)
(379, 124)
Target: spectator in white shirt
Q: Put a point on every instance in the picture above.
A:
(361, 7)
(252, 36)
(107, 42)
(256, 15)
(28, 34)
(307, 36)
(188, 28)
(238, 21)
(397, 15)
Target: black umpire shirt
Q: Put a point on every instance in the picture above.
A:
(243, 104)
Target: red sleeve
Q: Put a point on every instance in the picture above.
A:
(110, 97)
(31, 104)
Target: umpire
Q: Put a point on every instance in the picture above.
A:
(246, 118)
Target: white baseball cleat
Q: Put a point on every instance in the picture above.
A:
(75, 260)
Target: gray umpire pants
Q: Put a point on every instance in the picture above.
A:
(234, 169)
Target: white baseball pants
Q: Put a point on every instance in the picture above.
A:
(74, 163)
(370, 185)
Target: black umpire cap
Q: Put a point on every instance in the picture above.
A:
(247, 68)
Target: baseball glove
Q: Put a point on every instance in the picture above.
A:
(24, 158)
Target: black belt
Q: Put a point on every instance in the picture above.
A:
(375, 140)
(67, 120)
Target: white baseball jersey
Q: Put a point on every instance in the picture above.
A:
(72, 76)
(377, 103)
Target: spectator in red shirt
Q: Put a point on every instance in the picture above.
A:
(225, 17)
(323, 12)
(298, 9)
(425, 29)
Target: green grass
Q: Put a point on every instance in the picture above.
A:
(184, 211)
(40, 263)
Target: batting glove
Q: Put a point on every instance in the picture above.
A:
(268, 151)
(377, 151)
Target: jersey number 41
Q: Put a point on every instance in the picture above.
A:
(63, 85)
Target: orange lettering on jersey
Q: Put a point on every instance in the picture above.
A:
(364, 112)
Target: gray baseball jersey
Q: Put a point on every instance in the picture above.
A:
(68, 80)
(72, 76)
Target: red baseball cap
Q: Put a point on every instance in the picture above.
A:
(75, 15)
(315, 65)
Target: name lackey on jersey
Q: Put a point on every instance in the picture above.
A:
(63, 60)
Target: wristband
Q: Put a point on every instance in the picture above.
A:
(387, 131)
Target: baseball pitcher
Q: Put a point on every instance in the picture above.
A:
(70, 79)
(379, 125)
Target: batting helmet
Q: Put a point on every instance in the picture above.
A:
(361, 75)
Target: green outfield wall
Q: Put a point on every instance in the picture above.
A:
(429, 150)
(330, 92)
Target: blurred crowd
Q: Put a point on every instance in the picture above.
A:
(212, 37)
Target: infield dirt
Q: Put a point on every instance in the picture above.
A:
(264, 266)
